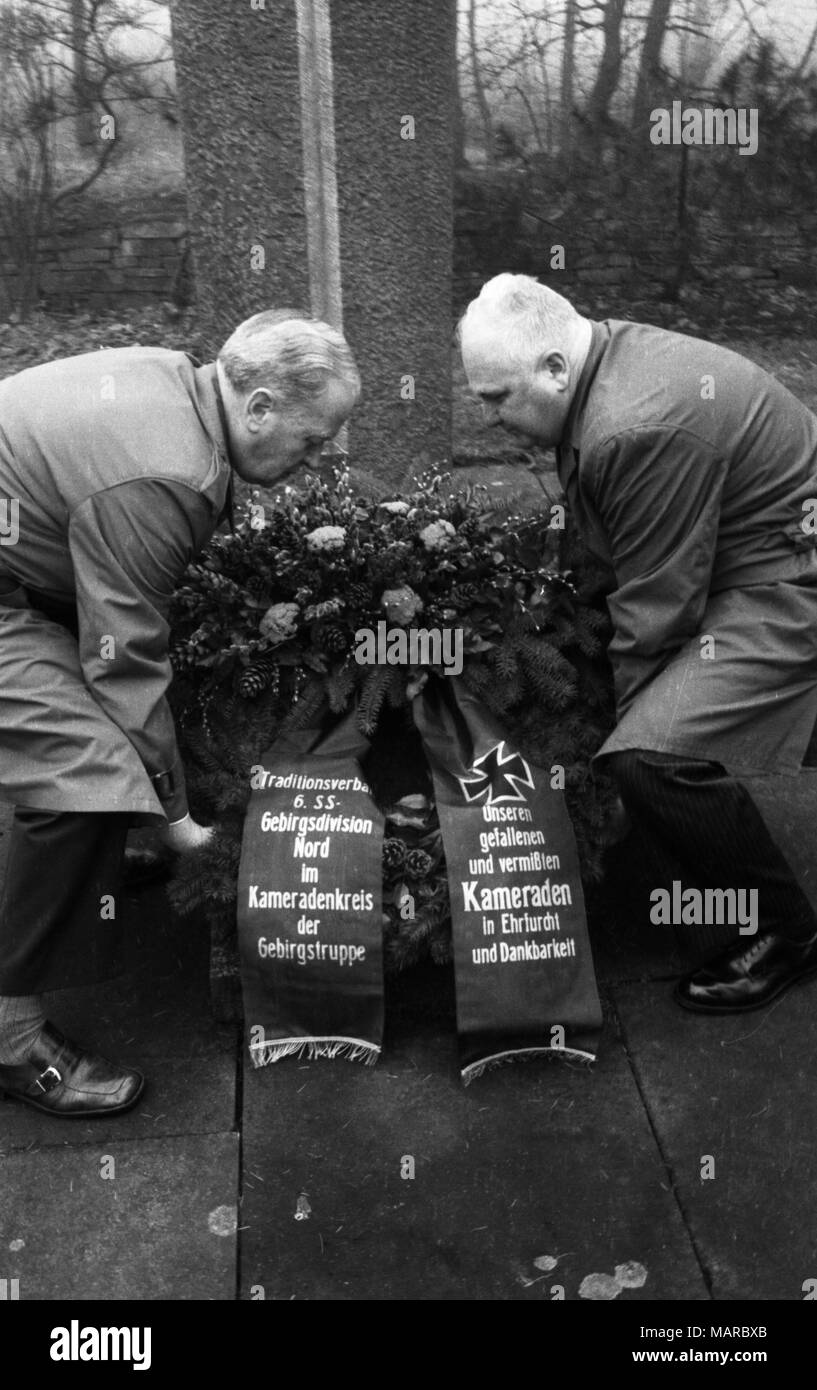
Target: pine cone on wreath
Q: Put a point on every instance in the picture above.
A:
(255, 679)
(359, 596)
(332, 639)
(394, 854)
(418, 863)
(463, 595)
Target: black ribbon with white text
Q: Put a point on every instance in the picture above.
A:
(310, 901)
(524, 972)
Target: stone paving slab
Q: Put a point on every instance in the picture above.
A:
(181, 1097)
(740, 1090)
(530, 1161)
(161, 1227)
(789, 807)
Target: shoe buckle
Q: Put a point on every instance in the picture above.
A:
(51, 1076)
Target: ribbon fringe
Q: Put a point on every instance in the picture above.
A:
(352, 1049)
(524, 1054)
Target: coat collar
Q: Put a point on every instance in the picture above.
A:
(211, 404)
(599, 342)
(567, 454)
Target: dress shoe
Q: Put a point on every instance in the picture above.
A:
(142, 867)
(747, 977)
(59, 1079)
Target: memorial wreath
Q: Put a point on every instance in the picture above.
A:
(298, 616)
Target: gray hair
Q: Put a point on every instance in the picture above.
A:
(522, 318)
(288, 354)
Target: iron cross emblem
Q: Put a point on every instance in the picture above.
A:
(499, 773)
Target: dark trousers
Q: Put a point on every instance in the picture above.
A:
(56, 927)
(702, 827)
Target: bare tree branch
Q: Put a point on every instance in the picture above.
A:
(63, 61)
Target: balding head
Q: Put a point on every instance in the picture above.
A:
(523, 347)
(518, 319)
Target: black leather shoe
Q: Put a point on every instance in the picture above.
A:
(142, 867)
(63, 1081)
(748, 976)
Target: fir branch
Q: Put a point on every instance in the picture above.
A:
(307, 710)
(396, 688)
(371, 699)
(340, 687)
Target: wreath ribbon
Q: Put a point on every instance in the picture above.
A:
(310, 895)
(310, 901)
(525, 982)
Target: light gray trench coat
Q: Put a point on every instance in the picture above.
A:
(114, 473)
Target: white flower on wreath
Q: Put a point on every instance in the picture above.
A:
(280, 622)
(396, 508)
(437, 535)
(401, 604)
(326, 538)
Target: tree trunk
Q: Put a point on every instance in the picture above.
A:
(610, 65)
(648, 70)
(460, 157)
(479, 86)
(568, 61)
(84, 123)
(697, 51)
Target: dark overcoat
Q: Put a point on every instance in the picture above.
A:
(692, 475)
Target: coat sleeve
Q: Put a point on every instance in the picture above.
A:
(130, 545)
(658, 496)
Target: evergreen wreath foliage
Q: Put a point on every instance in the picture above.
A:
(264, 639)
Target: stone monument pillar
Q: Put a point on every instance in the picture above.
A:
(318, 144)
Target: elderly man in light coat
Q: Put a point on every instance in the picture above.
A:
(692, 474)
(115, 469)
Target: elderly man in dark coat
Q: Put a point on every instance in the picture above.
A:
(692, 475)
(115, 469)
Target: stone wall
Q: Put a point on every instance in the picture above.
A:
(502, 222)
(499, 225)
(130, 262)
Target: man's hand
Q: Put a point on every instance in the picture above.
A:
(186, 835)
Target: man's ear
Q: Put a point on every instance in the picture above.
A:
(554, 364)
(259, 405)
